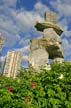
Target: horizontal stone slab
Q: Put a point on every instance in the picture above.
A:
(40, 26)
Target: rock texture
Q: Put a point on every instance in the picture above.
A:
(38, 58)
(49, 46)
(40, 26)
(49, 34)
(50, 16)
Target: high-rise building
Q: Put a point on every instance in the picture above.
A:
(12, 64)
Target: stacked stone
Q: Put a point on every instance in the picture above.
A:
(49, 46)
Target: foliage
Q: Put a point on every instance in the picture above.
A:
(31, 89)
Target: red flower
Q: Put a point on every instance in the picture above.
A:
(33, 84)
(27, 99)
(9, 88)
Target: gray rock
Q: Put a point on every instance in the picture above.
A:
(38, 58)
(49, 46)
(54, 49)
(40, 26)
(49, 34)
(50, 16)
(38, 43)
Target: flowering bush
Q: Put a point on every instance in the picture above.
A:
(48, 89)
(33, 84)
(9, 88)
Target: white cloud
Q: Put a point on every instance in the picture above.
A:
(10, 39)
(23, 41)
(2, 58)
(67, 34)
(66, 47)
(63, 23)
(9, 27)
(62, 6)
(12, 21)
(66, 44)
(25, 58)
(24, 50)
(27, 18)
(41, 8)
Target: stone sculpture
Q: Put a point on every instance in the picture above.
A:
(49, 46)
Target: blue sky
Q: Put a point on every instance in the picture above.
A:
(17, 20)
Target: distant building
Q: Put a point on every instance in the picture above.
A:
(12, 64)
(1, 46)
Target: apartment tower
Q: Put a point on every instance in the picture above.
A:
(12, 64)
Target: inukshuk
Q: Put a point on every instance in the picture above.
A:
(49, 46)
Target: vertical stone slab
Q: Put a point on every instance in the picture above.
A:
(38, 58)
(50, 16)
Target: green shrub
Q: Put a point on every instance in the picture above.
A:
(48, 89)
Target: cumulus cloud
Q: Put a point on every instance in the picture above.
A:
(25, 48)
(9, 27)
(23, 41)
(66, 47)
(67, 34)
(63, 7)
(40, 8)
(28, 18)
(24, 52)
(14, 21)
